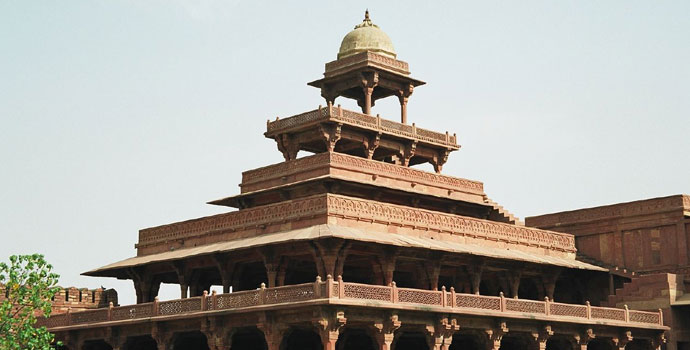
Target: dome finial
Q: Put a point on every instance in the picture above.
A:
(366, 15)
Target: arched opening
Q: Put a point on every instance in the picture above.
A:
(140, 343)
(463, 341)
(360, 269)
(600, 344)
(559, 343)
(356, 339)
(299, 270)
(190, 341)
(411, 341)
(567, 291)
(248, 339)
(514, 342)
(249, 276)
(96, 345)
(301, 339)
(639, 344)
(528, 289)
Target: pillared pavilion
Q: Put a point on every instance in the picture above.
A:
(351, 247)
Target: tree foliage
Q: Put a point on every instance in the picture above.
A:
(27, 286)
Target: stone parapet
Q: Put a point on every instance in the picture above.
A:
(72, 298)
(677, 203)
(355, 294)
(362, 170)
(361, 121)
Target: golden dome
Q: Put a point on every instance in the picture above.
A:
(366, 37)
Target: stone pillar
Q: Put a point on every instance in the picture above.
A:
(475, 273)
(369, 82)
(495, 335)
(384, 331)
(540, 338)
(514, 282)
(623, 339)
(440, 335)
(328, 326)
(582, 339)
(368, 91)
(403, 97)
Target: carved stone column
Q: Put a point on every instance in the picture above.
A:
(441, 333)
(540, 337)
(495, 335)
(384, 332)
(403, 97)
(408, 153)
(370, 145)
(623, 339)
(271, 262)
(273, 331)
(329, 327)
(432, 268)
(514, 282)
(330, 135)
(369, 82)
(163, 338)
(287, 146)
(475, 273)
(582, 339)
(329, 251)
(225, 267)
(390, 255)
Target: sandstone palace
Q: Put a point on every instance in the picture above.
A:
(345, 245)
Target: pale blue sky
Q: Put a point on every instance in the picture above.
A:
(120, 115)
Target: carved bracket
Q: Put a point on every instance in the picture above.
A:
(495, 335)
(330, 134)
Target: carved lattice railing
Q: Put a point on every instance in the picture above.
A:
(339, 115)
(446, 301)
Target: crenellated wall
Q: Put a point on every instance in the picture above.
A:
(78, 299)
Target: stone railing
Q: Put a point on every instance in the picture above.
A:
(424, 300)
(377, 124)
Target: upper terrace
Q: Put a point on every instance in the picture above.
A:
(336, 129)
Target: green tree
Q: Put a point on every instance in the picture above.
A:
(28, 285)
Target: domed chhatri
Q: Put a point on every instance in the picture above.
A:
(366, 36)
(367, 69)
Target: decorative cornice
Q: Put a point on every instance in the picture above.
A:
(360, 210)
(391, 214)
(642, 207)
(236, 220)
(377, 124)
(367, 57)
(362, 165)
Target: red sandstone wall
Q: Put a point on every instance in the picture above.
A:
(78, 299)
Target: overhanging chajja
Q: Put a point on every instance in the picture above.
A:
(325, 231)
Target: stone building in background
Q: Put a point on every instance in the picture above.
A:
(76, 299)
(647, 241)
(351, 247)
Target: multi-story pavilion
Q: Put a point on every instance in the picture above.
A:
(350, 247)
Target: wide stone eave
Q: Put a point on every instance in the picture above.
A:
(334, 231)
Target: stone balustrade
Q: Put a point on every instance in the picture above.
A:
(335, 292)
(377, 124)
